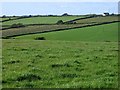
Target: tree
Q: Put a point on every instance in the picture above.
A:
(60, 22)
(3, 16)
(30, 16)
(65, 14)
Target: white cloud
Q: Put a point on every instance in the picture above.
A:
(59, 0)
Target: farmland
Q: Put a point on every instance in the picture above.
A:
(41, 20)
(55, 27)
(94, 33)
(56, 64)
(71, 56)
(98, 19)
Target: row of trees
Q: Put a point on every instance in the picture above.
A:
(25, 16)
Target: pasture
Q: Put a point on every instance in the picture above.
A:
(37, 29)
(59, 64)
(98, 19)
(107, 32)
(85, 57)
(41, 20)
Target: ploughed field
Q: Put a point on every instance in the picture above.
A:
(74, 58)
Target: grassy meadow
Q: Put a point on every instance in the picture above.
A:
(42, 20)
(98, 19)
(84, 57)
(59, 64)
(108, 32)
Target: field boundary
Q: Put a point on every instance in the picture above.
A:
(24, 17)
(6, 37)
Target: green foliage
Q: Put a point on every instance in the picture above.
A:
(60, 22)
(65, 14)
(70, 22)
(39, 38)
(4, 16)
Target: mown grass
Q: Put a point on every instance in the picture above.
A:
(108, 33)
(59, 64)
(41, 20)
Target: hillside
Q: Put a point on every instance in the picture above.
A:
(86, 22)
(81, 55)
(108, 32)
(41, 20)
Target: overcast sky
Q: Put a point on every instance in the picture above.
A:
(58, 7)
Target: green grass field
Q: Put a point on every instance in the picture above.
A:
(75, 58)
(41, 20)
(59, 64)
(2, 19)
(36, 29)
(108, 32)
(42, 28)
(98, 19)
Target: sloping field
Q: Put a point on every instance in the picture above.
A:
(41, 20)
(98, 19)
(42, 28)
(75, 58)
(2, 19)
(37, 28)
(107, 32)
(59, 64)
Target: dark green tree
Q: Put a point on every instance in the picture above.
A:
(60, 22)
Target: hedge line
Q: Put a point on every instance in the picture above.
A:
(61, 29)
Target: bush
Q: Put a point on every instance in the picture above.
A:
(17, 25)
(70, 22)
(28, 77)
(60, 22)
(39, 38)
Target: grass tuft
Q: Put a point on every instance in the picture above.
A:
(28, 77)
